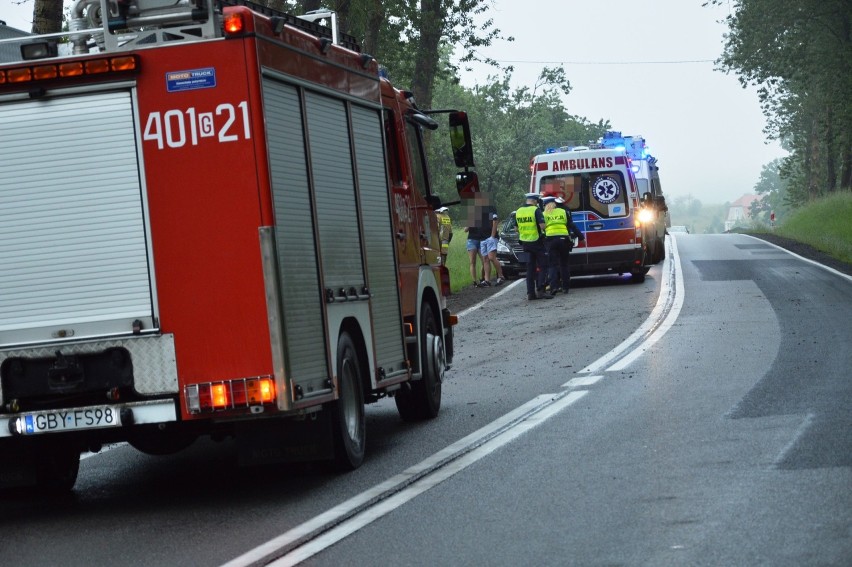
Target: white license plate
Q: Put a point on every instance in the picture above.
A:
(68, 420)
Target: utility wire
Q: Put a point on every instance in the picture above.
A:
(606, 62)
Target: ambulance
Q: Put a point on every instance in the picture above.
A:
(600, 189)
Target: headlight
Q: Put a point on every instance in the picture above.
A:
(501, 246)
(646, 215)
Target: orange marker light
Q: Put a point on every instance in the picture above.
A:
(267, 390)
(70, 69)
(97, 66)
(233, 23)
(219, 393)
(44, 72)
(123, 63)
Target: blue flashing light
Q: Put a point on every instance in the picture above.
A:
(551, 150)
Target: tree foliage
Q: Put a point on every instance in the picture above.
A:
(798, 53)
(509, 126)
(406, 36)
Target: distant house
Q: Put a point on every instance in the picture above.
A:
(738, 212)
(10, 51)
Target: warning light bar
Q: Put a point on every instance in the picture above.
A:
(230, 394)
(35, 72)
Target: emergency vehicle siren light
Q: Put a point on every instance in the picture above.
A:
(234, 24)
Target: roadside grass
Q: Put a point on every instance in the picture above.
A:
(457, 261)
(825, 224)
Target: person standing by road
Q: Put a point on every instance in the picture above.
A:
(531, 227)
(559, 230)
(474, 240)
(445, 229)
(488, 251)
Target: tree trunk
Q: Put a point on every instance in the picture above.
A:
(830, 161)
(47, 16)
(426, 64)
(812, 163)
(375, 18)
(846, 169)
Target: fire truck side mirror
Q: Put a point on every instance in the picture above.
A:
(467, 183)
(460, 140)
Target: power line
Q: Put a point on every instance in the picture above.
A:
(605, 62)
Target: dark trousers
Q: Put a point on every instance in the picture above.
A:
(558, 249)
(536, 265)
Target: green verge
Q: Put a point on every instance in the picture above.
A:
(825, 224)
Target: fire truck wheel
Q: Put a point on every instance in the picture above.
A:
(350, 427)
(57, 467)
(423, 399)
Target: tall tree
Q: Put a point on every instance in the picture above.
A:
(799, 55)
(47, 16)
(509, 126)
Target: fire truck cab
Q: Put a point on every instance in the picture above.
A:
(215, 219)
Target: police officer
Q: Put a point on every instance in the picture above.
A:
(559, 229)
(445, 228)
(531, 235)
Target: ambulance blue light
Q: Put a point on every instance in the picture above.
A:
(635, 168)
(551, 150)
(619, 148)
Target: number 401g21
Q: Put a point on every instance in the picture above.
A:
(176, 128)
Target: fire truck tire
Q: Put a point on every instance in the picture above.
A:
(57, 467)
(422, 399)
(350, 426)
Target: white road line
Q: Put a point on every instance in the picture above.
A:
(484, 301)
(507, 427)
(814, 262)
(669, 304)
(800, 431)
(581, 381)
(429, 481)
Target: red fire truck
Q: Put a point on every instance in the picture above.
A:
(214, 220)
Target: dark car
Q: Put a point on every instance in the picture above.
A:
(512, 258)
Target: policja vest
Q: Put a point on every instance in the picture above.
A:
(527, 226)
(446, 231)
(556, 222)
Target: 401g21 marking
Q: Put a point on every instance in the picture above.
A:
(169, 128)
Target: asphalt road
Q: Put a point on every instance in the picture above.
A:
(699, 418)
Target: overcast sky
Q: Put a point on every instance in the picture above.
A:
(646, 67)
(703, 127)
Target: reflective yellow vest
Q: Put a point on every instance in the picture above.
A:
(446, 231)
(556, 222)
(527, 227)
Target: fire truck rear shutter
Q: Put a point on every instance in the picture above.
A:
(73, 244)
